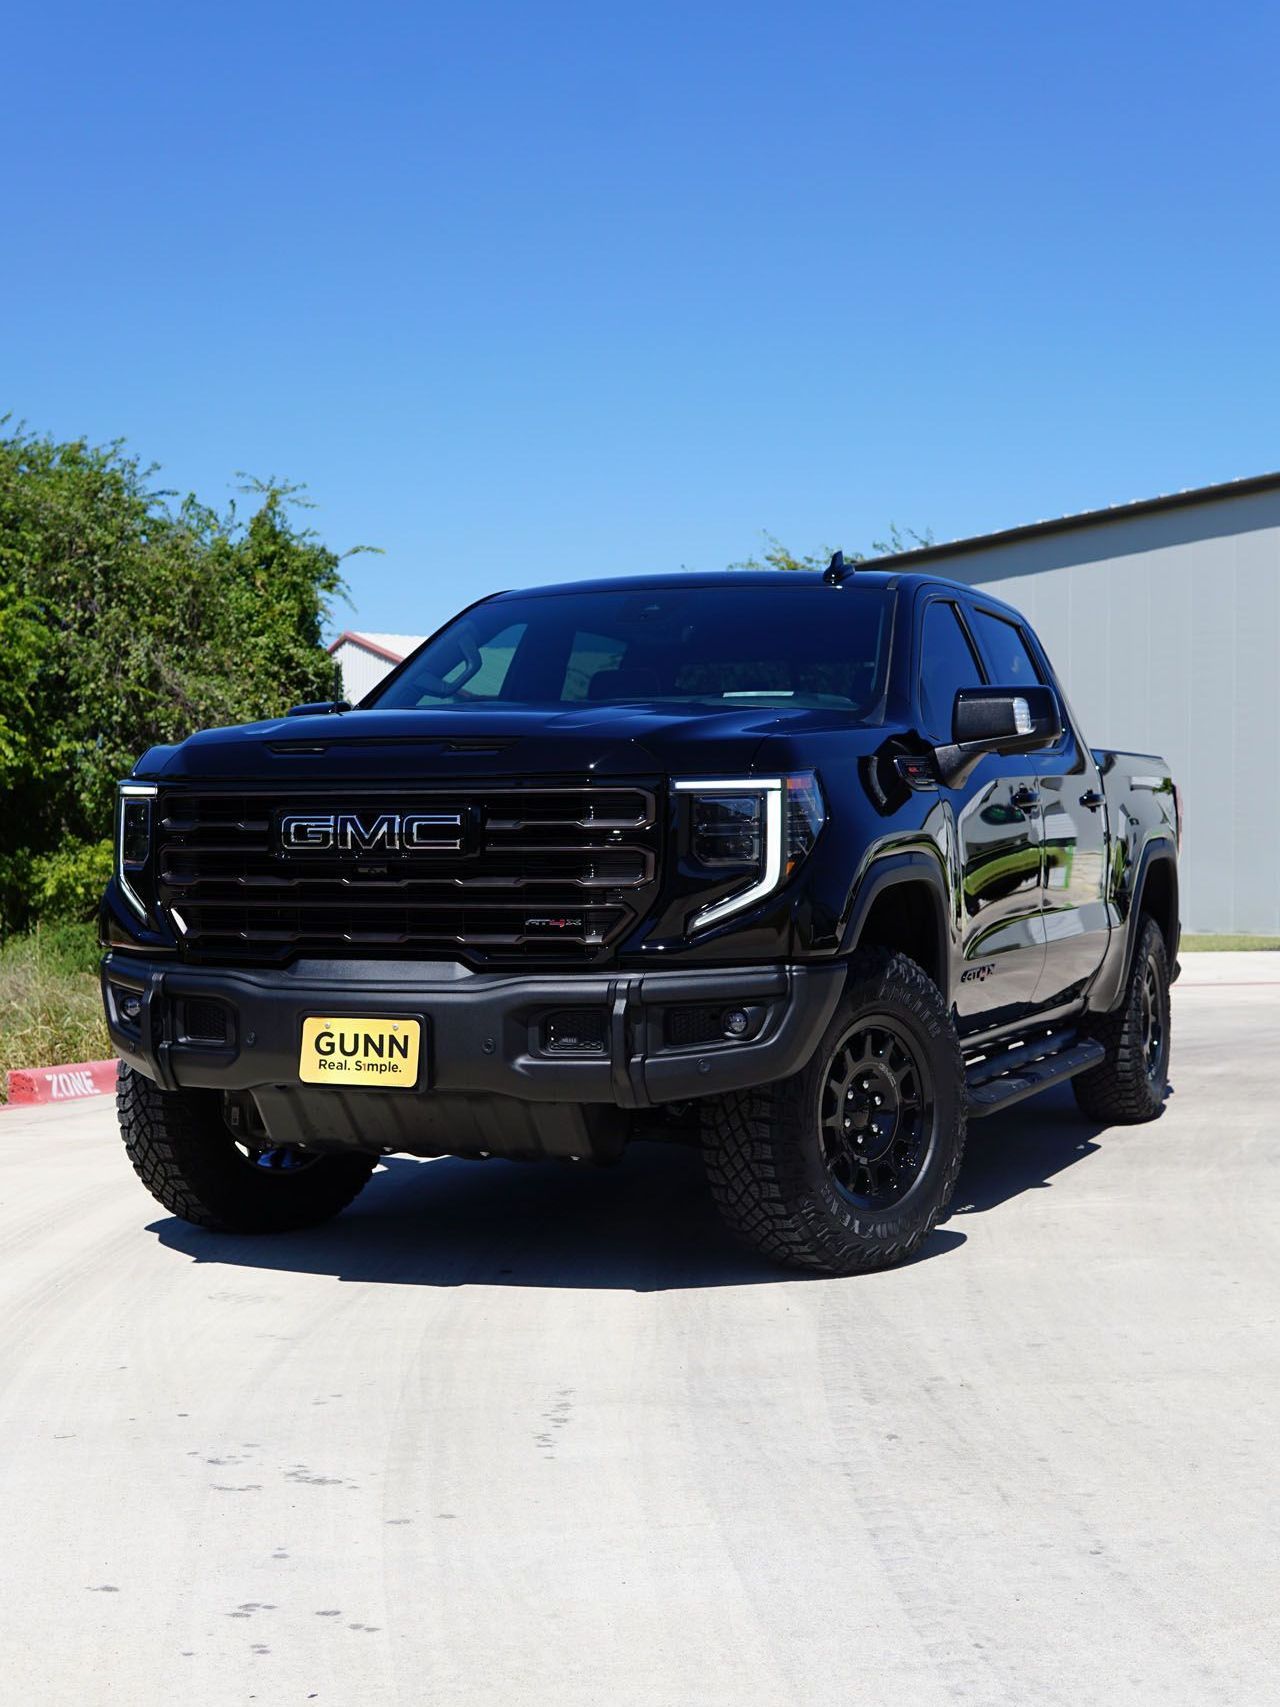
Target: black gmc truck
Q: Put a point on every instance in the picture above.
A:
(809, 869)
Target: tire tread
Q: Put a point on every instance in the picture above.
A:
(753, 1143)
(1117, 1091)
(183, 1154)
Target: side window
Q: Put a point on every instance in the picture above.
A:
(947, 664)
(1012, 666)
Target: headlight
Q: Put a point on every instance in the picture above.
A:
(806, 815)
(761, 826)
(726, 829)
(133, 839)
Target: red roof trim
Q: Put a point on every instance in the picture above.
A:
(369, 646)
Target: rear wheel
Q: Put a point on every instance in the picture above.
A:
(193, 1164)
(850, 1163)
(1131, 1083)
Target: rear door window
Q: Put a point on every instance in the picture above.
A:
(1008, 656)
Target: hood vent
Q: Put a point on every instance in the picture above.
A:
(437, 744)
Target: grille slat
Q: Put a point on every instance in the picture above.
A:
(558, 872)
(189, 880)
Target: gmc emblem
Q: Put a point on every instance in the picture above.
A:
(385, 833)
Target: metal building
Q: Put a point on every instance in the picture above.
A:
(1162, 619)
(364, 659)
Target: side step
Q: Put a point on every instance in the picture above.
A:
(995, 1084)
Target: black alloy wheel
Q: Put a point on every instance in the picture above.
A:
(849, 1164)
(1152, 1022)
(274, 1158)
(876, 1113)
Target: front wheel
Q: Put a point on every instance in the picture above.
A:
(848, 1165)
(193, 1164)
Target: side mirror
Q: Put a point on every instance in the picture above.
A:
(997, 720)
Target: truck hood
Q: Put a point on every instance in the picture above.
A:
(442, 743)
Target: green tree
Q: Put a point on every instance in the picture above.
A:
(775, 554)
(125, 622)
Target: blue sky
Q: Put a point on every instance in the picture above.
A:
(529, 292)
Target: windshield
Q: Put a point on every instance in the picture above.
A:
(771, 645)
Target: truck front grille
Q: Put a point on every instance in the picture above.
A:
(550, 872)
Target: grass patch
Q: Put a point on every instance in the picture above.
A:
(1209, 944)
(50, 1006)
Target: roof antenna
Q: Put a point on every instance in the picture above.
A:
(837, 569)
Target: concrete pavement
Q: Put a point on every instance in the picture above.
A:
(533, 1436)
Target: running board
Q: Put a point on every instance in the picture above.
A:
(1023, 1078)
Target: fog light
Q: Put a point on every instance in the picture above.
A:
(737, 1022)
(131, 1009)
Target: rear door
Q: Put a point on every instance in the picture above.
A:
(997, 820)
(1073, 823)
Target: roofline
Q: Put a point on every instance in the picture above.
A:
(369, 646)
(1247, 488)
(676, 580)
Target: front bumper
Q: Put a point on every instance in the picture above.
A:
(487, 1036)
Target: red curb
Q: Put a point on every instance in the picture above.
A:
(61, 1084)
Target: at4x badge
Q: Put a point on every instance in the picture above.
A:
(978, 974)
(554, 924)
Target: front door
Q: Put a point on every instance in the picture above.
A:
(997, 826)
(1072, 827)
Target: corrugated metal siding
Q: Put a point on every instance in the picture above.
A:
(1165, 630)
(362, 670)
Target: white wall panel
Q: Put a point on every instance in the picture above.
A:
(362, 670)
(1165, 629)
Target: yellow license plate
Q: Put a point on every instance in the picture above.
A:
(346, 1051)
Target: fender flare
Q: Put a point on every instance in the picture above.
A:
(887, 871)
(1113, 975)
(1158, 850)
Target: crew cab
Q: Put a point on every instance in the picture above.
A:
(809, 869)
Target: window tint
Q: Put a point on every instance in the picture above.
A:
(1011, 665)
(947, 664)
(736, 642)
(468, 666)
(591, 655)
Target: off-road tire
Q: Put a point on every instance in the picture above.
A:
(1126, 1088)
(185, 1154)
(763, 1147)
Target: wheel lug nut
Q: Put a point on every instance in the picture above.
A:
(878, 1101)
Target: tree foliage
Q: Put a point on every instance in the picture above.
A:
(126, 621)
(775, 554)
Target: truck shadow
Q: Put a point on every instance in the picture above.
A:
(645, 1226)
(1022, 1150)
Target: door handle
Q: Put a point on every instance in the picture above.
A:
(1025, 797)
(1092, 798)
